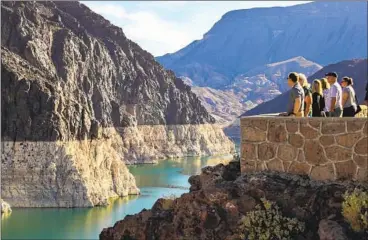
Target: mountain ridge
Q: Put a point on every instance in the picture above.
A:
(232, 47)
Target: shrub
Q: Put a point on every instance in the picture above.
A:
(266, 223)
(355, 210)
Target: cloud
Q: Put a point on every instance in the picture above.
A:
(147, 26)
(167, 5)
(108, 10)
(148, 29)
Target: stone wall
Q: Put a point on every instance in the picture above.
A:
(323, 148)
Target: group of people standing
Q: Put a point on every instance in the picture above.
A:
(326, 97)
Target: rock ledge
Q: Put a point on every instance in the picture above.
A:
(220, 197)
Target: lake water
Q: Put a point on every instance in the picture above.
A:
(168, 177)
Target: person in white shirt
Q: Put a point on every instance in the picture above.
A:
(335, 95)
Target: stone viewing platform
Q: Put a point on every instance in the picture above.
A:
(323, 148)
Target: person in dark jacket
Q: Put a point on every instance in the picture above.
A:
(318, 102)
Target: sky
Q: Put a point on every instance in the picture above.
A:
(162, 27)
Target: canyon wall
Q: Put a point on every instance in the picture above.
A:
(323, 148)
(86, 173)
(144, 144)
(79, 100)
(80, 173)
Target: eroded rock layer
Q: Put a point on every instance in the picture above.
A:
(78, 99)
(143, 144)
(79, 173)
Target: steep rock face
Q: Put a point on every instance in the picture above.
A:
(79, 173)
(356, 68)
(252, 88)
(71, 82)
(246, 39)
(88, 65)
(220, 197)
(144, 144)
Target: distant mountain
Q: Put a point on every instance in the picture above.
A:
(357, 69)
(277, 72)
(223, 105)
(253, 88)
(323, 32)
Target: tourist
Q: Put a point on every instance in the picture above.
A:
(296, 97)
(307, 94)
(335, 109)
(348, 97)
(326, 97)
(318, 103)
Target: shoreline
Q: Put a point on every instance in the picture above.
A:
(169, 186)
(156, 161)
(84, 173)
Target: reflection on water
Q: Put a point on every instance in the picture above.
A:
(155, 181)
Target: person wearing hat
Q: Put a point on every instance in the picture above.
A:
(335, 95)
(296, 98)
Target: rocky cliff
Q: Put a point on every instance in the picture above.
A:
(221, 202)
(323, 32)
(356, 68)
(78, 99)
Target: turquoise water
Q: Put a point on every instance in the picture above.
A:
(168, 177)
